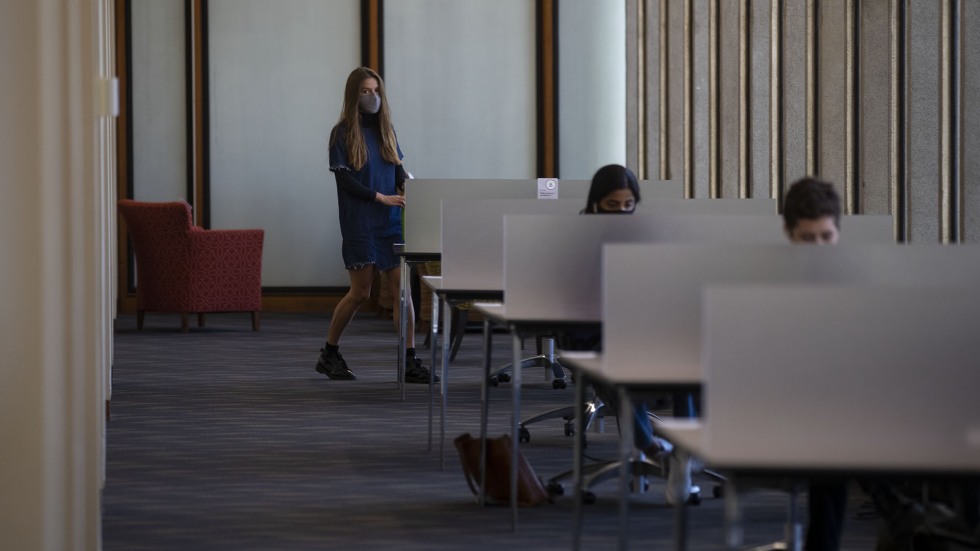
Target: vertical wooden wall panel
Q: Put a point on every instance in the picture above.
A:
(794, 90)
(635, 94)
(675, 89)
(760, 100)
(729, 86)
(832, 93)
(663, 90)
(969, 114)
(948, 103)
(651, 145)
(775, 77)
(923, 117)
(880, 96)
(700, 109)
(877, 104)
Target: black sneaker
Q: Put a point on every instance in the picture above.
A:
(415, 372)
(332, 365)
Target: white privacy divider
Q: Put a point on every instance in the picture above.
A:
(825, 377)
(473, 238)
(552, 264)
(423, 201)
(651, 293)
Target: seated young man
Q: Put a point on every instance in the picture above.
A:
(811, 214)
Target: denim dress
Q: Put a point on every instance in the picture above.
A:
(369, 229)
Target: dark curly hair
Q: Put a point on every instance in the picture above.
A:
(808, 199)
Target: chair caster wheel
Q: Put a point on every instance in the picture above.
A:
(694, 499)
(718, 491)
(503, 377)
(493, 381)
(558, 384)
(588, 498)
(555, 489)
(523, 435)
(569, 429)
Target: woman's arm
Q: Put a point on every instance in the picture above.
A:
(348, 183)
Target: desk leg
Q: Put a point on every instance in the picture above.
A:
(446, 329)
(404, 286)
(625, 472)
(794, 528)
(734, 534)
(485, 407)
(577, 491)
(680, 527)
(433, 347)
(515, 419)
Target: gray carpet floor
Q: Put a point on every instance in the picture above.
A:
(225, 438)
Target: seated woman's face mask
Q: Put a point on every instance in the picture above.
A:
(620, 201)
(369, 103)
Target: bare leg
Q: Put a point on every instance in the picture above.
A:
(360, 291)
(394, 286)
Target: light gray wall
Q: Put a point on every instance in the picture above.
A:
(274, 96)
(159, 101)
(591, 86)
(461, 84)
(462, 87)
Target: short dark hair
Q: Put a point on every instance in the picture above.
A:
(609, 179)
(808, 199)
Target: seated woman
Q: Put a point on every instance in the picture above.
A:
(615, 190)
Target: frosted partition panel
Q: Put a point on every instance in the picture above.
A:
(460, 79)
(158, 101)
(277, 74)
(592, 86)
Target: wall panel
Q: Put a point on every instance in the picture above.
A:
(159, 101)
(833, 96)
(274, 97)
(795, 80)
(923, 117)
(673, 86)
(877, 103)
(460, 74)
(727, 18)
(970, 122)
(759, 100)
(878, 96)
(699, 93)
(592, 85)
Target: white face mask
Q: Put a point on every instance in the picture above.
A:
(369, 103)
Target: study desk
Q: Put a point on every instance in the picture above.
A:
(898, 364)
(407, 260)
(448, 297)
(589, 366)
(496, 314)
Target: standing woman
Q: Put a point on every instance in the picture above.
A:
(366, 161)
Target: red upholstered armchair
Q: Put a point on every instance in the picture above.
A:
(183, 268)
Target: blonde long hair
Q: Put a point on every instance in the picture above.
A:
(357, 151)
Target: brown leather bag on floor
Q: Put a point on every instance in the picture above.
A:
(530, 490)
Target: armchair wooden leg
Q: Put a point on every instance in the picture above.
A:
(140, 314)
(184, 325)
(200, 320)
(255, 321)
